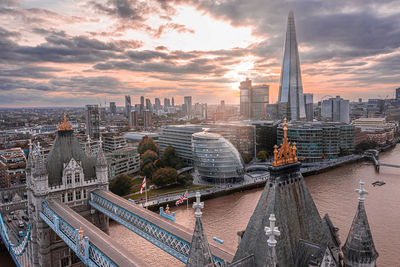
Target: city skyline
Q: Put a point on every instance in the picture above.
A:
(67, 53)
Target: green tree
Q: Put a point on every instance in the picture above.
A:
(185, 179)
(121, 185)
(365, 145)
(147, 143)
(165, 176)
(149, 156)
(170, 159)
(148, 170)
(262, 155)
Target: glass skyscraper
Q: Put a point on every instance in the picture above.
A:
(291, 88)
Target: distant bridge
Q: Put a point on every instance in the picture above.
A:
(374, 156)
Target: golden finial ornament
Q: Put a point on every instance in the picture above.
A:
(64, 126)
(286, 153)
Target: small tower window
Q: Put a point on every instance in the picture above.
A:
(62, 198)
(84, 193)
(77, 177)
(69, 178)
(70, 197)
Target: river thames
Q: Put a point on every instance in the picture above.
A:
(333, 193)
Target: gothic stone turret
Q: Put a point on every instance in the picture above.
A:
(68, 174)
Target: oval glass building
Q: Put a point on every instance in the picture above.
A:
(216, 159)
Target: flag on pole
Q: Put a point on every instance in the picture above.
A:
(182, 198)
(143, 185)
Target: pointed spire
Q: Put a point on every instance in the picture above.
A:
(101, 159)
(286, 153)
(359, 247)
(64, 126)
(291, 88)
(199, 254)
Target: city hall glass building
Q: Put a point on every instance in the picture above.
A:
(216, 159)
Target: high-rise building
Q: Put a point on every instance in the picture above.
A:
(134, 119)
(173, 102)
(291, 88)
(128, 105)
(336, 109)
(188, 105)
(166, 104)
(113, 108)
(253, 100)
(398, 94)
(141, 105)
(157, 104)
(147, 119)
(148, 104)
(309, 103)
(245, 97)
(93, 121)
(259, 101)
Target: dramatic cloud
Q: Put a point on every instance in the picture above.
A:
(74, 52)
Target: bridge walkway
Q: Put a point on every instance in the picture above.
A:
(111, 249)
(180, 232)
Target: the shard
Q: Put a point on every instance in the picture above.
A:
(291, 99)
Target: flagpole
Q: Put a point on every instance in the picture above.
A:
(145, 190)
(187, 200)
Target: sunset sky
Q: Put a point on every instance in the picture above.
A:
(77, 52)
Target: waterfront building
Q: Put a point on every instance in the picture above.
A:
(309, 104)
(291, 87)
(92, 121)
(180, 138)
(265, 135)
(377, 129)
(128, 105)
(336, 109)
(216, 159)
(113, 108)
(317, 141)
(12, 167)
(253, 100)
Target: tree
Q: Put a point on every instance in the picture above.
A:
(149, 156)
(170, 159)
(365, 145)
(147, 143)
(262, 155)
(185, 179)
(165, 176)
(121, 185)
(148, 170)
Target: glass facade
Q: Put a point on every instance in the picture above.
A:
(216, 159)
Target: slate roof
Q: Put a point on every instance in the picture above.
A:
(359, 246)
(287, 196)
(66, 146)
(199, 254)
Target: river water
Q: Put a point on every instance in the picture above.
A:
(333, 193)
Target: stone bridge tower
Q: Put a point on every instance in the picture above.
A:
(68, 173)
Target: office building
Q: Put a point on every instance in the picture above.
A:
(12, 167)
(180, 138)
(128, 105)
(187, 105)
(336, 110)
(265, 139)
(166, 104)
(291, 87)
(216, 159)
(147, 119)
(113, 141)
(398, 94)
(157, 104)
(142, 107)
(309, 104)
(148, 104)
(377, 129)
(92, 121)
(113, 108)
(316, 141)
(253, 100)
(134, 119)
(173, 102)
